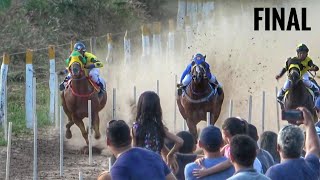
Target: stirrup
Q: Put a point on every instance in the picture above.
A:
(62, 86)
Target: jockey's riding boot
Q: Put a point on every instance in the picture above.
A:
(280, 95)
(62, 86)
(102, 90)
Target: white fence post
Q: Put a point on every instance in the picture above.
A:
(250, 109)
(230, 108)
(114, 104)
(158, 88)
(263, 109)
(52, 81)
(156, 41)
(93, 44)
(3, 93)
(29, 89)
(277, 107)
(145, 43)
(171, 43)
(127, 48)
(35, 130)
(109, 58)
(208, 119)
(175, 105)
(8, 151)
(80, 175)
(90, 133)
(56, 104)
(61, 140)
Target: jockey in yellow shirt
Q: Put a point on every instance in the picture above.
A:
(307, 65)
(91, 63)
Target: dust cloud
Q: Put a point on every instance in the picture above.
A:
(244, 61)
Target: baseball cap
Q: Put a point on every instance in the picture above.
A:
(211, 137)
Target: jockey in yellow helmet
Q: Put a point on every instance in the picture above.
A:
(307, 65)
(90, 62)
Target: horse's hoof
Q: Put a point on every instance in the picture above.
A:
(68, 134)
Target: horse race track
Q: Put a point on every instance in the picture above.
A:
(48, 159)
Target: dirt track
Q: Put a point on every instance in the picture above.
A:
(244, 61)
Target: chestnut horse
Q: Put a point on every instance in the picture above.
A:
(75, 102)
(198, 99)
(298, 94)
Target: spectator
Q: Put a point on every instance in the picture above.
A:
(185, 154)
(149, 132)
(230, 127)
(132, 163)
(210, 142)
(264, 156)
(268, 142)
(290, 145)
(242, 155)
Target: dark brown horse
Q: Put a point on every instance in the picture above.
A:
(198, 99)
(298, 94)
(75, 102)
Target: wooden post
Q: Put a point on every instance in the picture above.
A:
(263, 109)
(29, 89)
(250, 109)
(8, 151)
(127, 48)
(93, 44)
(145, 43)
(208, 119)
(56, 104)
(3, 94)
(35, 132)
(61, 140)
(52, 81)
(90, 132)
(109, 58)
(230, 108)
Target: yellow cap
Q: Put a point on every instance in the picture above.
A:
(6, 58)
(109, 38)
(171, 25)
(156, 27)
(145, 30)
(29, 54)
(51, 50)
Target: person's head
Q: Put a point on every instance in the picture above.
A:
(211, 139)
(118, 134)
(252, 132)
(198, 57)
(188, 142)
(233, 126)
(268, 142)
(243, 150)
(149, 117)
(290, 141)
(80, 47)
(302, 51)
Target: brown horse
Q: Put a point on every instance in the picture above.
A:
(198, 99)
(75, 102)
(298, 94)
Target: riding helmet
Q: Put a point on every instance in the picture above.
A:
(198, 57)
(79, 46)
(302, 48)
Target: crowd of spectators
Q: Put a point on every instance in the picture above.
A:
(147, 150)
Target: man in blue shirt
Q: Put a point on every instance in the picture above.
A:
(133, 163)
(210, 142)
(291, 141)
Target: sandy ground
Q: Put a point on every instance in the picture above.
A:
(244, 61)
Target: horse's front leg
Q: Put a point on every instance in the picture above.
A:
(192, 128)
(95, 124)
(80, 124)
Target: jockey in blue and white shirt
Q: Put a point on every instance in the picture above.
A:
(187, 77)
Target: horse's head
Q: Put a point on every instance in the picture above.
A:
(76, 70)
(294, 71)
(198, 73)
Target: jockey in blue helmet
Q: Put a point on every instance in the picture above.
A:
(187, 77)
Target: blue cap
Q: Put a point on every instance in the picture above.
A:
(317, 104)
(211, 136)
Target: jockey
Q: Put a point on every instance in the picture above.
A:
(307, 65)
(187, 77)
(90, 62)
